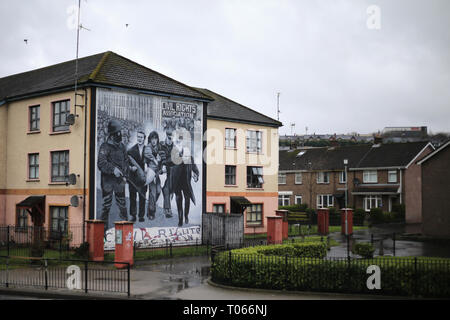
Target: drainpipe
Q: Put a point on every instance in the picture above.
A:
(401, 186)
(84, 166)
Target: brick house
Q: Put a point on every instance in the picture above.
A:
(380, 175)
(435, 187)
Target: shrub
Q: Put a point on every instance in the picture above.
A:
(82, 251)
(295, 208)
(298, 249)
(376, 215)
(364, 249)
(359, 216)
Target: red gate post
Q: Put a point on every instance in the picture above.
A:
(95, 235)
(347, 221)
(123, 243)
(274, 230)
(284, 215)
(323, 220)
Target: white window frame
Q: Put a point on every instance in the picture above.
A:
(298, 174)
(343, 175)
(391, 172)
(372, 202)
(369, 175)
(320, 202)
(230, 138)
(281, 178)
(254, 141)
(298, 197)
(282, 198)
(323, 177)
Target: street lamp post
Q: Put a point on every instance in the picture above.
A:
(346, 194)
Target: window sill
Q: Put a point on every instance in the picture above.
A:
(59, 132)
(231, 186)
(256, 189)
(299, 184)
(254, 152)
(254, 225)
(34, 132)
(230, 148)
(56, 183)
(33, 180)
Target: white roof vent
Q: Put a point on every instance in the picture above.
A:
(301, 153)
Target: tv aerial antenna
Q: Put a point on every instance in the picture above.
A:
(79, 27)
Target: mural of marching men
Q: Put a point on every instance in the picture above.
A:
(148, 159)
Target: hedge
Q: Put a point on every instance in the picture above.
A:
(399, 276)
(296, 249)
(364, 249)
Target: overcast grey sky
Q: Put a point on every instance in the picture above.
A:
(337, 72)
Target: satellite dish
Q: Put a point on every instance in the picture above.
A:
(74, 202)
(70, 119)
(72, 179)
(356, 182)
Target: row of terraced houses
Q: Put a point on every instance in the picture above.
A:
(381, 175)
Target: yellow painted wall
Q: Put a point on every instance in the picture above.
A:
(3, 136)
(217, 157)
(20, 142)
(16, 142)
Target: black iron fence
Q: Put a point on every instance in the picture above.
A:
(420, 277)
(77, 275)
(39, 241)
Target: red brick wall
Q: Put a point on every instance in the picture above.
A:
(435, 195)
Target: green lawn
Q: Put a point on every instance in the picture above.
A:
(304, 230)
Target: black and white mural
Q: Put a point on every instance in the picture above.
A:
(149, 167)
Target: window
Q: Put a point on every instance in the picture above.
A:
(35, 118)
(343, 177)
(298, 178)
(255, 177)
(21, 219)
(219, 208)
(392, 176)
(59, 219)
(230, 138)
(283, 200)
(254, 141)
(281, 178)
(33, 166)
(61, 110)
(230, 175)
(298, 199)
(324, 200)
(323, 177)
(372, 202)
(254, 214)
(60, 166)
(370, 176)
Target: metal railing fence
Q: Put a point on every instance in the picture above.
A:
(78, 275)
